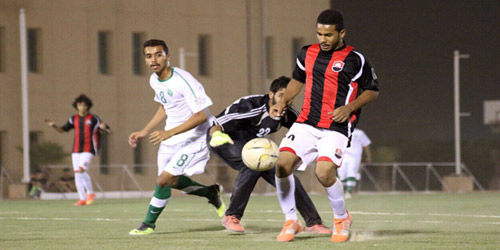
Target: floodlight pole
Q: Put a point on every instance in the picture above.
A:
(456, 83)
(24, 90)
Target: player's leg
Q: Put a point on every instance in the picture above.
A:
(304, 204)
(285, 190)
(85, 160)
(243, 187)
(330, 152)
(79, 180)
(190, 160)
(353, 176)
(298, 146)
(160, 199)
(342, 175)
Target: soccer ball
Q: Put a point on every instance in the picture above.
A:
(260, 154)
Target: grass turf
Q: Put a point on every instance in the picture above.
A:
(384, 221)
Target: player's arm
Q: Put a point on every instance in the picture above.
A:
(158, 117)
(343, 113)
(193, 121)
(292, 90)
(368, 154)
(52, 124)
(104, 127)
(369, 84)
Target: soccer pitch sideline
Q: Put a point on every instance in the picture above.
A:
(380, 221)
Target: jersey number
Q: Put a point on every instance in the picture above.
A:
(263, 132)
(182, 160)
(162, 97)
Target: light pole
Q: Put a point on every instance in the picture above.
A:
(456, 66)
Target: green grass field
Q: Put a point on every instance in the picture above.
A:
(381, 221)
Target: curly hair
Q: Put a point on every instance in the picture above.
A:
(83, 98)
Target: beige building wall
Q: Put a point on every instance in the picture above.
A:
(69, 60)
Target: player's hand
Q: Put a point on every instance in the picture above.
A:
(105, 127)
(341, 114)
(277, 110)
(219, 139)
(159, 136)
(50, 122)
(134, 137)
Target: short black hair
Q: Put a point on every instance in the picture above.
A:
(279, 83)
(332, 17)
(155, 42)
(83, 98)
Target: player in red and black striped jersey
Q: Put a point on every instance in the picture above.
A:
(338, 81)
(86, 143)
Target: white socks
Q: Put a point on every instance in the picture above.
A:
(285, 190)
(87, 183)
(336, 197)
(80, 188)
(83, 185)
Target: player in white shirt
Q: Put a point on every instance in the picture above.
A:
(349, 172)
(183, 151)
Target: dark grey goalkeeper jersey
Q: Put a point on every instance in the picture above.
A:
(248, 118)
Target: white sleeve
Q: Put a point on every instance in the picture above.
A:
(195, 95)
(363, 139)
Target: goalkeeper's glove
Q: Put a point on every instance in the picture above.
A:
(219, 138)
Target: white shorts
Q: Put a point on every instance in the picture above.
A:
(310, 143)
(81, 160)
(350, 168)
(185, 159)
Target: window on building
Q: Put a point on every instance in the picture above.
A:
(104, 153)
(34, 50)
(2, 49)
(138, 66)
(297, 44)
(104, 50)
(2, 148)
(35, 138)
(269, 57)
(138, 158)
(204, 55)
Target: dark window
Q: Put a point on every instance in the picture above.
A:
(104, 153)
(104, 51)
(138, 158)
(34, 50)
(137, 53)
(35, 138)
(269, 57)
(2, 148)
(2, 49)
(204, 55)
(297, 44)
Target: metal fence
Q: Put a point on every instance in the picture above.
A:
(410, 176)
(117, 180)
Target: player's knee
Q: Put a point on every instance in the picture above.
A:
(283, 169)
(326, 178)
(163, 182)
